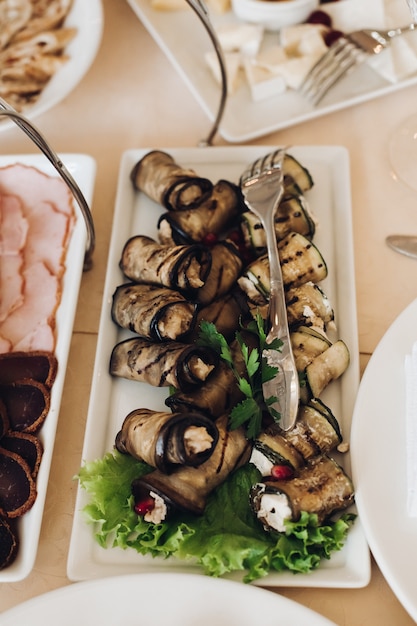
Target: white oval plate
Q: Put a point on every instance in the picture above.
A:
(378, 453)
(87, 18)
(162, 600)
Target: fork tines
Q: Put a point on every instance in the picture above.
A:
(342, 55)
(270, 162)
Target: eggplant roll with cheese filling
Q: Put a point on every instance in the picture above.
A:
(293, 215)
(184, 267)
(158, 495)
(167, 440)
(153, 312)
(164, 181)
(163, 364)
(316, 432)
(212, 217)
(301, 262)
(321, 487)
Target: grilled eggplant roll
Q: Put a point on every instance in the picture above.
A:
(184, 268)
(171, 363)
(153, 312)
(293, 215)
(164, 181)
(167, 440)
(226, 264)
(322, 487)
(218, 395)
(226, 313)
(212, 217)
(308, 305)
(316, 432)
(158, 495)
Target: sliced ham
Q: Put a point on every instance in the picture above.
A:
(13, 225)
(41, 299)
(13, 234)
(36, 220)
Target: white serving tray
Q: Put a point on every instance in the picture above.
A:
(183, 39)
(83, 169)
(112, 399)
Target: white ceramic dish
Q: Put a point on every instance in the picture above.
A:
(379, 459)
(112, 399)
(136, 599)
(87, 18)
(243, 118)
(274, 15)
(83, 169)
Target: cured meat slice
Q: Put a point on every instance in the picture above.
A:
(37, 311)
(35, 187)
(13, 234)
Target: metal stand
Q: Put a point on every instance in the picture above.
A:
(34, 134)
(199, 7)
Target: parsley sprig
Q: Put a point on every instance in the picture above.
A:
(249, 411)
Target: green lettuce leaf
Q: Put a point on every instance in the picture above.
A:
(226, 538)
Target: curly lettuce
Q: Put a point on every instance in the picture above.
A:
(226, 538)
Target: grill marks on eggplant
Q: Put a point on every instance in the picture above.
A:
(167, 440)
(188, 487)
(182, 366)
(169, 184)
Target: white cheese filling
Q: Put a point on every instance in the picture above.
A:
(158, 513)
(261, 462)
(274, 510)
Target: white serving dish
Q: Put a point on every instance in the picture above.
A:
(379, 459)
(136, 599)
(245, 119)
(274, 14)
(87, 18)
(83, 169)
(112, 399)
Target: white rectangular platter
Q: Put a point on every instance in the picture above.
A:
(112, 399)
(83, 169)
(182, 37)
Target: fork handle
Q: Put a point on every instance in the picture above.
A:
(286, 384)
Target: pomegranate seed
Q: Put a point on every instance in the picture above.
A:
(282, 472)
(319, 17)
(210, 239)
(144, 506)
(332, 36)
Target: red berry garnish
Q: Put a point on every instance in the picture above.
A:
(332, 36)
(144, 506)
(319, 17)
(210, 239)
(282, 472)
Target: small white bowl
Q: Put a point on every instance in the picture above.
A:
(274, 14)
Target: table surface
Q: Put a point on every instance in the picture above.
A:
(133, 98)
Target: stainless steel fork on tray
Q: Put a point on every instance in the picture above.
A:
(343, 55)
(262, 185)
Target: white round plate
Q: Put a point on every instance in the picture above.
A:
(161, 600)
(378, 453)
(87, 17)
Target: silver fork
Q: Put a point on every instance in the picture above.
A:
(345, 53)
(262, 185)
